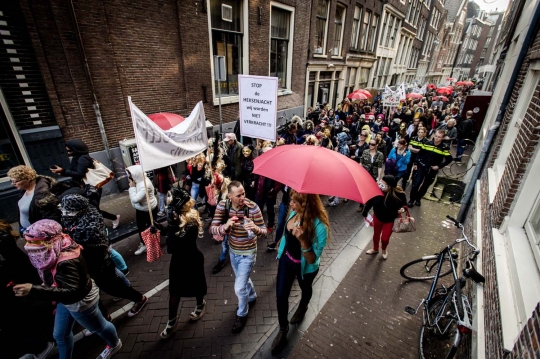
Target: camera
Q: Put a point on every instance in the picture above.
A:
(283, 128)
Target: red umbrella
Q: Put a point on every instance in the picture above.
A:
(443, 98)
(317, 170)
(460, 83)
(431, 87)
(415, 96)
(444, 91)
(357, 96)
(468, 83)
(365, 92)
(166, 120)
(450, 79)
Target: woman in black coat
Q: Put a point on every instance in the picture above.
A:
(385, 210)
(186, 270)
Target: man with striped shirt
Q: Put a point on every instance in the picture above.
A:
(243, 249)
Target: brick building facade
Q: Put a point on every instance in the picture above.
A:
(505, 212)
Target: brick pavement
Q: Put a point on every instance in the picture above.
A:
(210, 337)
(365, 317)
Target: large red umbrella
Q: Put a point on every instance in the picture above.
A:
(444, 91)
(365, 92)
(460, 83)
(414, 95)
(357, 96)
(166, 120)
(443, 98)
(431, 87)
(317, 170)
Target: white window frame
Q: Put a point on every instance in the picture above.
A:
(356, 36)
(245, 55)
(290, 50)
(517, 256)
(343, 17)
(323, 55)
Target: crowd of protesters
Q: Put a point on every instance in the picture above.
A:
(69, 257)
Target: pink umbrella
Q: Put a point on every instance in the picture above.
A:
(415, 96)
(317, 170)
(166, 120)
(357, 96)
(365, 92)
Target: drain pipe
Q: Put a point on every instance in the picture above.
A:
(89, 77)
(488, 143)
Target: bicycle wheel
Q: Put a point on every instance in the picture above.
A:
(424, 268)
(443, 332)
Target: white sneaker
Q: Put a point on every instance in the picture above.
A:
(109, 352)
(116, 222)
(141, 249)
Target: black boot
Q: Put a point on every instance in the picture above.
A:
(280, 341)
(219, 266)
(299, 314)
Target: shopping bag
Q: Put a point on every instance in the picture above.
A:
(369, 221)
(152, 243)
(404, 223)
(210, 195)
(98, 176)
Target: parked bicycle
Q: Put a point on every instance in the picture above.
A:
(447, 312)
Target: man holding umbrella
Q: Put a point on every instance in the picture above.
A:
(242, 222)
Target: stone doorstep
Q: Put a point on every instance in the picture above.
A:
(324, 286)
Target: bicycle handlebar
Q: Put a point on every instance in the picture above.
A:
(456, 223)
(465, 238)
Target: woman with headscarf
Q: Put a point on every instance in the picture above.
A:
(247, 177)
(141, 190)
(299, 251)
(385, 210)
(85, 226)
(80, 163)
(66, 281)
(186, 270)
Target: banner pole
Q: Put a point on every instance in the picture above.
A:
(219, 100)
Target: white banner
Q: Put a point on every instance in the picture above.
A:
(158, 148)
(402, 92)
(390, 99)
(258, 106)
(416, 89)
(387, 89)
(423, 89)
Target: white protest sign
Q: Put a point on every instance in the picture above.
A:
(390, 99)
(158, 148)
(258, 106)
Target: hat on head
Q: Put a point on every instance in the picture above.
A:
(390, 180)
(179, 197)
(229, 136)
(385, 129)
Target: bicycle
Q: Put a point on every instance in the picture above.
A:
(446, 311)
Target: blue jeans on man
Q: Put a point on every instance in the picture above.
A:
(282, 218)
(224, 249)
(243, 286)
(90, 318)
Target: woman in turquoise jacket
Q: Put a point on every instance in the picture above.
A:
(401, 156)
(299, 253)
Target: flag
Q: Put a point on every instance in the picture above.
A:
(387, 89)
(158, 148)
(423, 89)
(401, 92)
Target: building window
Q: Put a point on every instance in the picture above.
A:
(280, 47)
(364, 39)
(311, 88)
(364, 77)
(395, 33)
(356, 27)
(227, 37)
(322, 17)
(350, 81)
(373, 32)
(391, 20)
(338, 30)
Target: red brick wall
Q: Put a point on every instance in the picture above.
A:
(158, 52)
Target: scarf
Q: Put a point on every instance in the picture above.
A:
(47, 246)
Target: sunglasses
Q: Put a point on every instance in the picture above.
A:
(363, 135)
(372, 144)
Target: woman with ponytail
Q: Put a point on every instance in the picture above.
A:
(299, 253)
(385, 210)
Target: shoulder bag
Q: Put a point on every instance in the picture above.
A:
(404, 223)
(98, 176)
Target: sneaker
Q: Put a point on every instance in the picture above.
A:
(332, 204)
(272, 247)
(141, 249)
(109, 352)
(125, 271)
(137, 307)
(410, 204)
(116, 222)
(198, 312)
(360, 208)
(219, 266)
(417, 203)
(161, 214)
(239, 324)
(371, 251)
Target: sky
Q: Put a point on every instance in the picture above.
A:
(489, 5)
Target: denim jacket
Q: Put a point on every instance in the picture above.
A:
(319, 242)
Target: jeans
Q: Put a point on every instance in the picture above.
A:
(117, 259)
(381, 233)
(224, 249)
(91, 319)
(162, 198)
(282, 218)
(460, 148)
(122, 276)
(243, 286)
(270, 212)
(422, 179)
(195, 190)
(287, 271)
